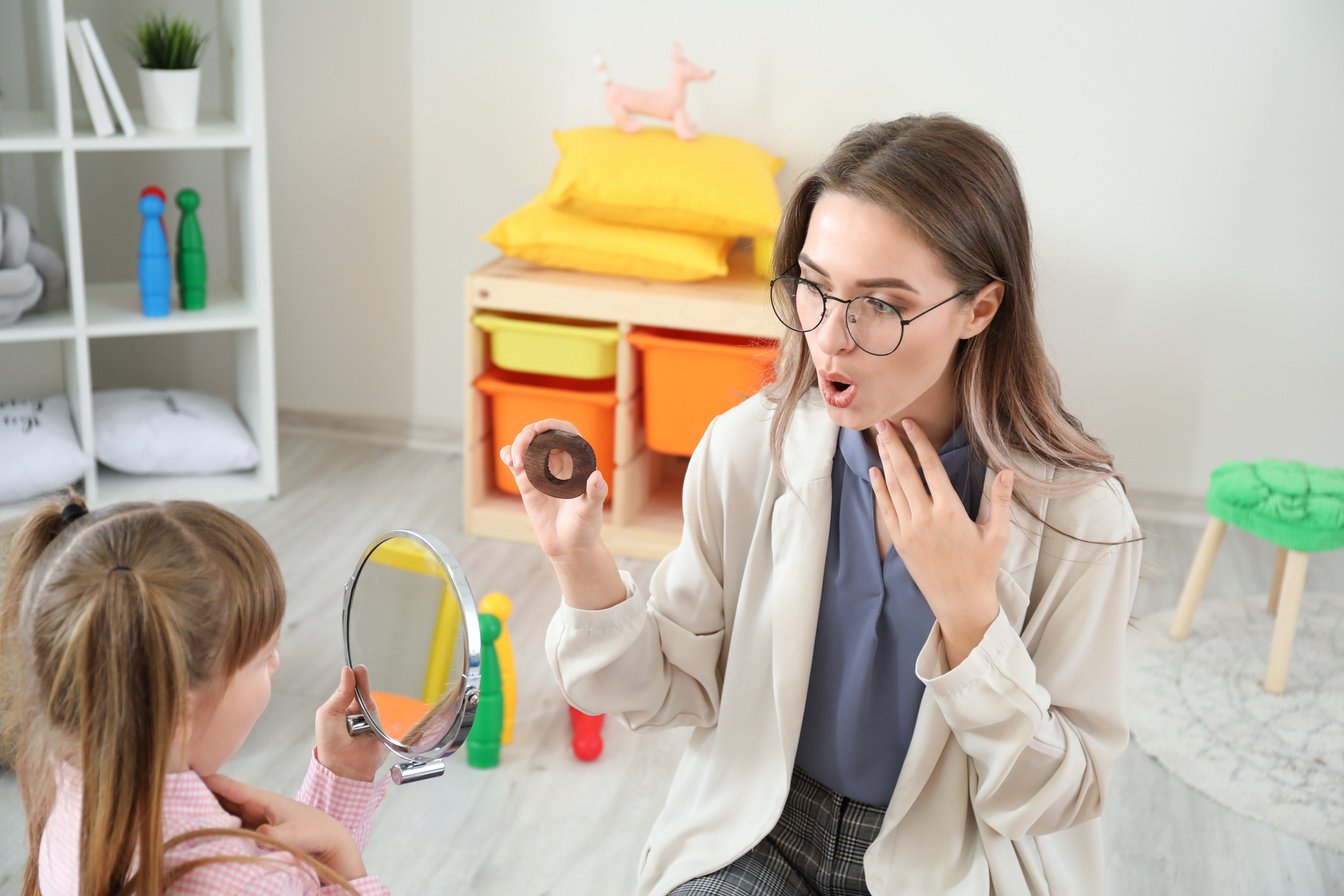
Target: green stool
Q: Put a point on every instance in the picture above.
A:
(1296, 506)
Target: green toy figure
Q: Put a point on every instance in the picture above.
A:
(488, 726)
(190, 253)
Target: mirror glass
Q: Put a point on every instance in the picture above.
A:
(410, 617)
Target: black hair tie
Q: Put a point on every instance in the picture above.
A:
(72, 512)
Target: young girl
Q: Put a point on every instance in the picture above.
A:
(896, 614)
(140, 641)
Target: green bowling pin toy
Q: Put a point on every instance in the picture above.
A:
(488, 726)
(190, 253)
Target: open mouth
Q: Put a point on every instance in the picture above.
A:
(838, 391)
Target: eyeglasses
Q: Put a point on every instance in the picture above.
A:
(874, 325)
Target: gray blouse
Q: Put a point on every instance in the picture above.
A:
(863, 695)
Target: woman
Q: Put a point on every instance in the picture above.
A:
(897, 611)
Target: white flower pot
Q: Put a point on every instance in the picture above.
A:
(171, 96)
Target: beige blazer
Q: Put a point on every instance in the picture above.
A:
(1005, 778)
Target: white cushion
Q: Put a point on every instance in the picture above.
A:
(39, 451)
(169, 431)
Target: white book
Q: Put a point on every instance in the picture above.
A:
(109, 81)
(88, 80)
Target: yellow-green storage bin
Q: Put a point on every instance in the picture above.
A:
(582, 351)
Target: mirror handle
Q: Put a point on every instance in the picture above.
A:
(408, 772)
(357, 724)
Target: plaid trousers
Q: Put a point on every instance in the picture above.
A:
(816, 849)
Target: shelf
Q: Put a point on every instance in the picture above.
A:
(213, 130)
(656, 532)
(45, 327)
(23, 130)
(114, 487)
(114, 310)
(738, 304)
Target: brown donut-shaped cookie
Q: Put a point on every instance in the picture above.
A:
(538, 466)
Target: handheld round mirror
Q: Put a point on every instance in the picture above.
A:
(410, 617)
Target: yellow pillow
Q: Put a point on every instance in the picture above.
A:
(763, 255)
(713, 184)
(543, 235)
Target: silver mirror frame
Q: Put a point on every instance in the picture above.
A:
(425, 763)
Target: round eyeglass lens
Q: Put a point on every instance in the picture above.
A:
(875, 325)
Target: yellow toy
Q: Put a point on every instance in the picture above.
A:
(499, 606)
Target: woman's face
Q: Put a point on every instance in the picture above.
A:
(856, 248)
(221, 721)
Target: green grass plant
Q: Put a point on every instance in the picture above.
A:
(162, 42)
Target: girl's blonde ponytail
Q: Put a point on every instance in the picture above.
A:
(129, 693)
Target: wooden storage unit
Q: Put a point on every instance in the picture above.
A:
(643, 518)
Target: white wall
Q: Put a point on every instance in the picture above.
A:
(1183, 164)
(339, 125)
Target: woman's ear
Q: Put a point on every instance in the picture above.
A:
(983, 308)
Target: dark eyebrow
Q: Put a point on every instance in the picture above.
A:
(879, 283)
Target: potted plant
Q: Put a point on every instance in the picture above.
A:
(169, 53)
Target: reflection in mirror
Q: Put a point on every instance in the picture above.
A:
(411, 620)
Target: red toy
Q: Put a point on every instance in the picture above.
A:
(587, 741)
(152, 190)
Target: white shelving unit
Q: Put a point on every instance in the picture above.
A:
(80, 192)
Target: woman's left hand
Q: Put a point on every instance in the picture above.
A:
(356, 757)
(953, 559)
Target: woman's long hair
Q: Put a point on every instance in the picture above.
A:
(955, 186)
(108, 621)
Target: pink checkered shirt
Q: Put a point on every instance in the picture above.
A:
(188, 805)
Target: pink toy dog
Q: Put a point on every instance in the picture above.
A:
(669, 103)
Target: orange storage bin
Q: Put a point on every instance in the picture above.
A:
(691, 378)
(517, 400)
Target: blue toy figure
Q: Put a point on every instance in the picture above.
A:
(155, 275)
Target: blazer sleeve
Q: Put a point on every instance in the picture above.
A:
(655, 662)
(1044, 727)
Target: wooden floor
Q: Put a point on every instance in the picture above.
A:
(544, 823)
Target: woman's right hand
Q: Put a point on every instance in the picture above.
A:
(304, 828)
(566, 528)
(569, 530)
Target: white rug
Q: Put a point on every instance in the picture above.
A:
(1199, 707)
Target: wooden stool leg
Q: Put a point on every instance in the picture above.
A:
(1277, 585)
(1294, 579)
(1198, 578)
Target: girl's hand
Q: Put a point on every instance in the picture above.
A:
(357, 758)
(304, 828)
(566, 528)
(954, 560)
